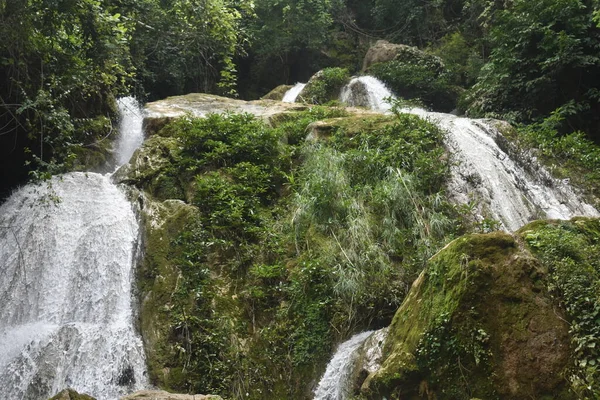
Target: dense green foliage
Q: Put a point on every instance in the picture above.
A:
(296, 244)
(570, 250)
(63, 61)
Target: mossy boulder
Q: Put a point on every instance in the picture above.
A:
(383, 51)
(70, 394)
(324, 86)
(151, 168)
(158, 276)
(277, 93)
(413, 74)
(478, 322)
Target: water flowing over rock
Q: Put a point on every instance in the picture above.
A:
(67, 251)
(361, 352)
(503, 188)
(367, 91)
(131, 134)
(292, 94)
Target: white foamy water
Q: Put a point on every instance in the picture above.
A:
(509, 191)
(131, 134)
(366, 91)
(362, 351)
(292, 94)
(67, 253)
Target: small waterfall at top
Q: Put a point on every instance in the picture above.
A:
(67, 251)
(511, 193)
(131, 134)
(361, 352)
(291, 95)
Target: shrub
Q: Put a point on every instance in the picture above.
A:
(325, 85)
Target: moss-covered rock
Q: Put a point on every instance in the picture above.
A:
(158, 277)
(324, 86)
(569, 251)
(478, 322)
(277, 93)
(413, 74)
(151, 168)
(383, 51)
(70, 394)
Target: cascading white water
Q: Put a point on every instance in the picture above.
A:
(131, 134)
(367, 91)
(510, 193)
(67, 251)
(291, 95)
(363, 352)
(335, 383)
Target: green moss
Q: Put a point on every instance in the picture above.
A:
(474, 325)
(418, 80)
(277, 93)
(325, 86)
(260, 276)
(569, 251)
(158, 279)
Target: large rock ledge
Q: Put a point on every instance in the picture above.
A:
(158, 113)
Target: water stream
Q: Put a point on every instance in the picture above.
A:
(361, 352)
(291, 95)
(67, 250)
(512, 192)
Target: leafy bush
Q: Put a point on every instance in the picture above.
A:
(572, 156)
(569, 250)
(418, 81)
(325, 85)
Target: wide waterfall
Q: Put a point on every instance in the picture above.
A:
(67, 250)
(291, 95)
(510, 192)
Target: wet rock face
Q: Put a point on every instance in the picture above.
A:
(277, 93)
(162, 395)
(70, 394)
(478, 322)
(382, 51)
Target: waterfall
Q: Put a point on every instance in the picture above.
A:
(291, 95)
(508, 191)
(361, 352)
(67, 251)
(131, 134)
(367, 91)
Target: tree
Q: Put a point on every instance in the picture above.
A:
(545, 58)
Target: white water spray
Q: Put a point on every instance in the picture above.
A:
(291, 95)
(67, 251)
(131, 134)
(508, 192)
(361, 351)
(367, 91)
